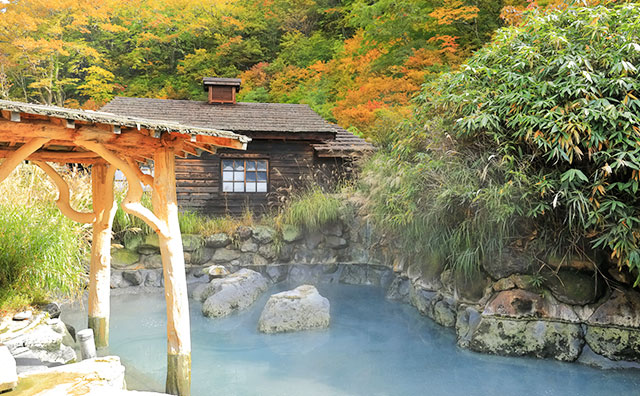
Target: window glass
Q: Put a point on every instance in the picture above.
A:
(244, 175)
(227, 165)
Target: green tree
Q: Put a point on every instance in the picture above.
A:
(556, 101)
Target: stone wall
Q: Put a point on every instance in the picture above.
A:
(510, 308)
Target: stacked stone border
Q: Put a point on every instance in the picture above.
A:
(503, 311)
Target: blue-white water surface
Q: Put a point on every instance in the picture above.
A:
(373, 347)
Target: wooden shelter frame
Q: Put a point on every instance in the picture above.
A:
(108, 142)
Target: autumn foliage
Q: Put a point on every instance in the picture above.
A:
(352, 61)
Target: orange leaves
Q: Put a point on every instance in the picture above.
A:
(360, 104)
(454, 10)
(256, 77)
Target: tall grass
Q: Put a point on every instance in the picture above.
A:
(438, 205)
(312, 209)
(41, 251)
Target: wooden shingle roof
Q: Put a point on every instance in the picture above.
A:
(346, 144)
(119, 119)
(238, 117)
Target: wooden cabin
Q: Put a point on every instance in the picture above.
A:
(291, 145)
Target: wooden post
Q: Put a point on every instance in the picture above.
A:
(100, 269)
(165, 207)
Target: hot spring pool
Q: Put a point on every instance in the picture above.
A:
(374, 347)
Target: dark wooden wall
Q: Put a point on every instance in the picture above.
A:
(199, 179)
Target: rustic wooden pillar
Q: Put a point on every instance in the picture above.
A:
(104, 208)
(165, 207)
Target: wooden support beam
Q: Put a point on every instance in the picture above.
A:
(57, 156)
(100, 268)
(64, 196)
(20, 155)
(213, 140)
(165, 205)
(10, 131)
(203, 147)
(131, 203)
(146, 179)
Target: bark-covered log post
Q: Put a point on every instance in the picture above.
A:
(100, 268)
(165, 206)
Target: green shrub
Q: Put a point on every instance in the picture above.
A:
(41, 251)
(557, 97)
(533, 144)
(41, 255)
(312, 209)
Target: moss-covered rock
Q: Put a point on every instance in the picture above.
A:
(291, 233)
(471, 288)
(614, 343)
(133, 240)
(508, 263)
(263, 234)
(201, 255)
(218, 240)
(539, 338)
(574, 287)
(123, 258)
(444, 314)
(152, 240)
(191, 242)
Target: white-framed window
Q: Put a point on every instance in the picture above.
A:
(245, 175)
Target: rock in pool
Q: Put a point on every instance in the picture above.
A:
(234, 292)
(302, 308)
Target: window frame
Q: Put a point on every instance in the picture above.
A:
(244, 168)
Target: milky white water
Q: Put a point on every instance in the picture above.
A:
(373, 347)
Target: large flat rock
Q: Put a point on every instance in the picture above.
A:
(517, 303)
(232, 293)
(302, 308)
(93, 376)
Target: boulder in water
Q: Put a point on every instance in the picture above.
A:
(302, 308)
(234, 292)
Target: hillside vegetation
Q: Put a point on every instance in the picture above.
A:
(532, 145)
(354, 61)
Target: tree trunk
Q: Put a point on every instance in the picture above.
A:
(100, 269)
(165, 206)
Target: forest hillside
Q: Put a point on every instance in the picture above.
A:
(356, 62)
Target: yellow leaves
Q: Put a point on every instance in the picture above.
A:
(109, 27)
(626, 99)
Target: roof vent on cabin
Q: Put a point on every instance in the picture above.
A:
(221, 90)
